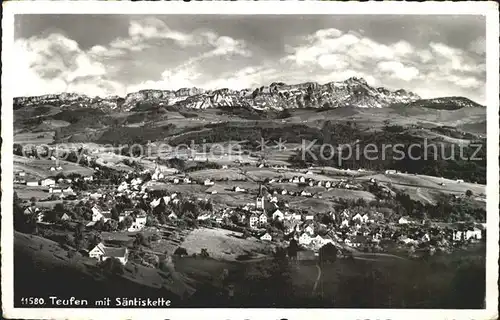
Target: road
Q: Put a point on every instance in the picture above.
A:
(317, 279)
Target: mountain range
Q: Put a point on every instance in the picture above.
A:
(277, 96)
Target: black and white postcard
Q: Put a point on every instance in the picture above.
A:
(250, 160)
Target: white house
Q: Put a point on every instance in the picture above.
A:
(344, 223)
(328, 184)
(172, 216)
(48, 182)
(141, 219)
(32, 183)
(304, 239)
(96, 214)
(357, 217)
(238, 189)
(309, 217)
(175, 181)
(253, 221)
(403, 220)
(390, 171)
(122, 187)
(309, 229)
(21, 173)
(208, 182)
(102, 253)
(278, 215)
(65, 217)
(52, 169)
(155, 203)
(68, 190)
(54, 190)
(475, 234)
(305, 193)
(302, 179)
(187, 180)
(266, 237)
(263, 218)
(89, 178)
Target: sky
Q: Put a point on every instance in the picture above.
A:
(101, 55)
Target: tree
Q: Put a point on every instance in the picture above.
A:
(180, 251)
(468, 193)
(292, 249)
(328, 252)
(204, 253)
(112, 266)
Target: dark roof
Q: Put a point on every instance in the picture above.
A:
(114, 252)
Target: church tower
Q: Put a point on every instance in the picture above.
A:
(259, 201)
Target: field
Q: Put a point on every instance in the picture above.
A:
(223, 244)
(37, 138)
(41, 168)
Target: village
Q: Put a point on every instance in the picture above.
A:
(139, 201)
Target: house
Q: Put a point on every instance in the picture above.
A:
(284, 192)
(278, 215)
(155, 203)
(390, 171)
(238, 189)
(309, 229)
(311, 183)
(31, 210)
(208, 182)
(295, 180)
(122, 187)
(141, 219)
(212, 190)
(328, 184)
(320, 183)
(304, 239)
(302, 179)
(364, 218)
(273, 199)
(403, 220)
(252, 221)
(425, 238)
(263, 218)
(344, 223)
(186, 180)
(48, 182)
(175, 181)
(309, 172)
(52, 169)
(68, 190)
(475, 234)
(309, 217)
(21, 173)
(266, 237)
(204, 216)
(172, 216)
(55, 190)
(305, 193)
(96, 214)
(357, 217)
(102, 253)
(88, 178)
(32, 183)
(65, 217)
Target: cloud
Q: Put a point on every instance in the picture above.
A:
(329, 54)
(51, 64)
(398, 70)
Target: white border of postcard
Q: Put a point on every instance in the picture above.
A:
(488, 9)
